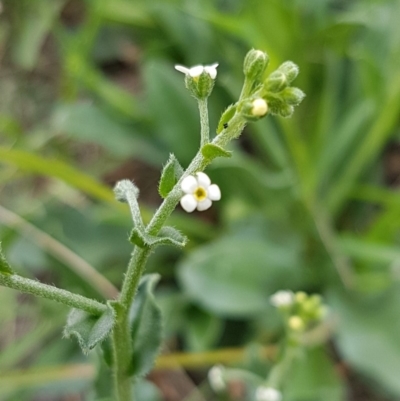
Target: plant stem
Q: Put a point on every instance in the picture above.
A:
(50, 292)
(121, 337)
(204, 123)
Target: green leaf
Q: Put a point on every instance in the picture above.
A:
(166, 236)
(201, 329)
(88, 329)
(226, 117)
(4, 266)
(170, 175)
(236, 275)
(146, 326)
(211, 151)
(368, 335)
(314, 377)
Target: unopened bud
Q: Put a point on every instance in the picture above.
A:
(286, 110)
(290, 69)
(260, 107)
(255, 63)
(293, 96)
(276, 82)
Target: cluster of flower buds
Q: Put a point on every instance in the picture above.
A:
(302, 311)
(274, 94)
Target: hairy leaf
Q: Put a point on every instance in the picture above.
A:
(88, 329)
(211, 151)
(166, 236)
(170, 175)
(4, 266)
(146, 326)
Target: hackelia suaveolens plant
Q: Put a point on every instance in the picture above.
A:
(91, 321)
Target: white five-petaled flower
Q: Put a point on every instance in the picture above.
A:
(199, 192)
(268, 394)
(197, 70)
(282, 299)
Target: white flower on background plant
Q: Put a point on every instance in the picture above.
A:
(282, 299)
(268, 394)
(199, 192)
(216, 379)
(197, 70)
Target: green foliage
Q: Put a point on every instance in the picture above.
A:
(108, 105)
(5, 268)
(211, 151)
(145, 327)
(170, 175)
(89, 330)
(166, 236)
(236, 276)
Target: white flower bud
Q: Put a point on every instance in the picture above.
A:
(259, 108)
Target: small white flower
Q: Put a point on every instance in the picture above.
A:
(216, 379)
(282, 299)
(268, 394)
(197, 70)
(259, 108)
(199, 192)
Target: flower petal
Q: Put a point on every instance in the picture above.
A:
(189, 184)
(213, 192)
(211, 70)
(196, 71)
(203, 180)
(188, 203)
(181, 68)
(204, 205)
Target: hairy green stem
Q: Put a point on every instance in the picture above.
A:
(121, 336)
(204, 124)
(50, 292)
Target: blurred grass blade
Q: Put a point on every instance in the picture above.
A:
(60, 252)
(55, 168)
(35, 20)
(368, 149)
(126, 12)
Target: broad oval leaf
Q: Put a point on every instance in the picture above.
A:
(211, 151)
(235, 276)
(146, 326)
(88, 329)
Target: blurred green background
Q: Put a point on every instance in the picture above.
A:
(89, 95)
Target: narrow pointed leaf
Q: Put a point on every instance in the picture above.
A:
(146, 326)
(211, 151)
(88, 329)
(4, 266)
(170, 175)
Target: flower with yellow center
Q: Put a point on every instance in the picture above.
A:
(199, 192)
